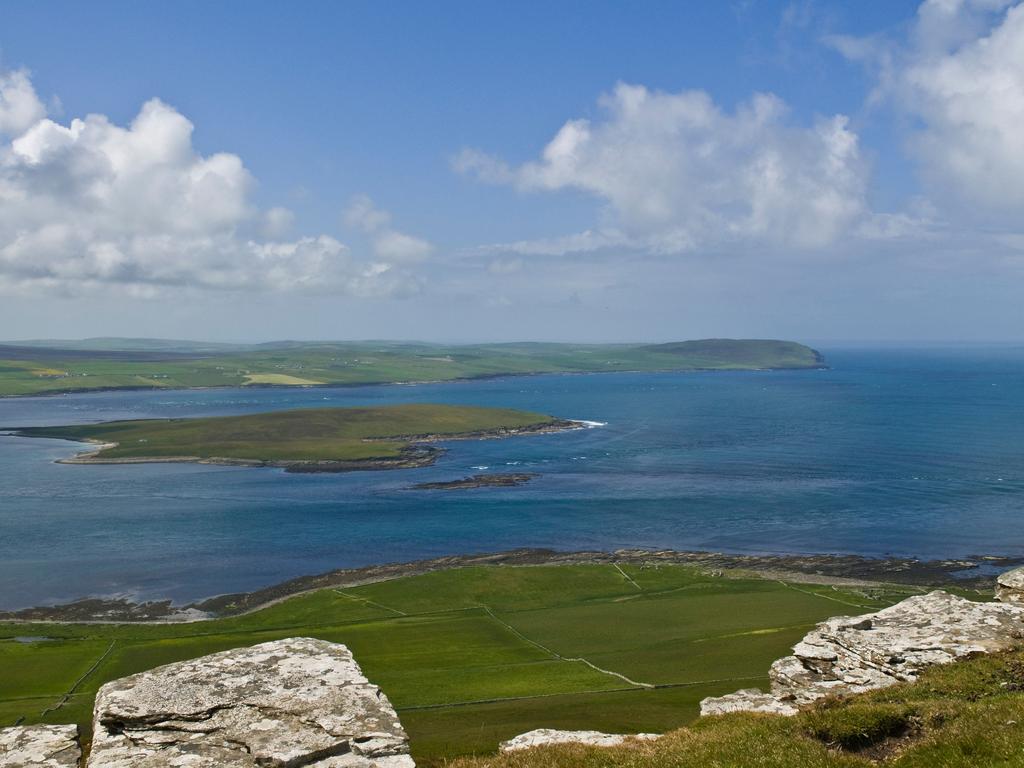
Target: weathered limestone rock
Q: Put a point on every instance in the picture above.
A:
(1010, 586)
(545, 736)
(747, 700)
(286, 703)
(39, 746)
(846, 655)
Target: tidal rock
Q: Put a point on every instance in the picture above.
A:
(846, 655)
(39, 746)
(289, 702)
(1010, 586)
(547, 736)
(747, 700)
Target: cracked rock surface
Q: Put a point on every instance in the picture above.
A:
(1010, 586)
(544, 736)
(847, 655)
(288, 703)
(39, 746)
(746, 700)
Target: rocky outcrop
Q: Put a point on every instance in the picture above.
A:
(1010, 586)
(39, 746)
(746, 700)
(547, 736)
(294, 702)
(846, 655)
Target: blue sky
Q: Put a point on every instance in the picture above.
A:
(802, 169)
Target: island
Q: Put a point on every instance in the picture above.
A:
(54, 367)
(301, 440)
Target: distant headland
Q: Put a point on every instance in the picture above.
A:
(55, 367)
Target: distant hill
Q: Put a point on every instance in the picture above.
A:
(755, 353)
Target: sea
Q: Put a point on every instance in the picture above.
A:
(891, 451)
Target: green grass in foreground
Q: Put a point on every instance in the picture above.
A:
(965, 715)
(27, 370)
(473, 656)
(313, 434)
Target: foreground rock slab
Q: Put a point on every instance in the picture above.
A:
(848, 655)
(39, 746)
(547, 736)
(747, 700)
(294, 702)
(1010, 586)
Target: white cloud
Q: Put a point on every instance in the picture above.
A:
(588, 241)
(505, 266)
(277, 222)
(388, 244)
(92, 203)
(970, 95)
(19, 106)
(676, 171)
(960, 77)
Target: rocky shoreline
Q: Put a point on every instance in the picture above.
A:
(850, 570)
(478, 481)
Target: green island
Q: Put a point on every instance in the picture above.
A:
(301, 440)
(471, 656)
(35, 368)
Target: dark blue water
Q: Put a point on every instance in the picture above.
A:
(908, 452)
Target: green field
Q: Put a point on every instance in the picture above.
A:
(109, 364)
(301, 435)
(473, 656)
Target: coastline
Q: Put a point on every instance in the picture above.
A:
(836, 570)
(386, 383)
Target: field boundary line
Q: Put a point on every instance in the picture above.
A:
(661, 686)
(501, 699)
(826, 597)
(79, 681)
(627, 577)
(370, 602)
(560, 657)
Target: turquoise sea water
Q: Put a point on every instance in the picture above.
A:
(896, 451)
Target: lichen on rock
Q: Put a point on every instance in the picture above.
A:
(746, 700)
(289, 702)
(39, 746)
(541, 737)
(1010, 586)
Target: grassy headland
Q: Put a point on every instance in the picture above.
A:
(475, 655)
(41, 368)
(325, 439)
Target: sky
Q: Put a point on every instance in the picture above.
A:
(474, 170)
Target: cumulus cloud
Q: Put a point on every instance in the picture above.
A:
(277, 222)
(93, 203)
(960, 77)
(20, 108)
(388, 244)
(676, 171)
(970, 95)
